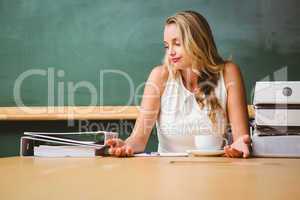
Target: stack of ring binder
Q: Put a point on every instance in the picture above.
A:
(277, 122)
(75, 144)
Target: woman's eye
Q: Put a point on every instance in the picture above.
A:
(177, 44)
(166, 47)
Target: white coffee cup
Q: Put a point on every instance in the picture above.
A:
(210, 142)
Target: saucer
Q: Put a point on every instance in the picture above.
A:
(206, 152)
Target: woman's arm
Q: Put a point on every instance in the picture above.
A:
(149, 110)
(237, 111)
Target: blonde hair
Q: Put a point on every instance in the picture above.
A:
(199, 45)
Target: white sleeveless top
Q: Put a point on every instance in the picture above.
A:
(181, 117)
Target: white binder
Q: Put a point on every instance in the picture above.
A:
(61, 145)
(277, 103)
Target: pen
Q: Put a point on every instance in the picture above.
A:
(153, 153)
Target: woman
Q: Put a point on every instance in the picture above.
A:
(195, 91)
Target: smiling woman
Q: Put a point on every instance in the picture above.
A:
(194, 92)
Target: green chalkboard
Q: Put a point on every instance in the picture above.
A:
(78, 52)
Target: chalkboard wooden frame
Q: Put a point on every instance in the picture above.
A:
(76, 113)
(69, 113)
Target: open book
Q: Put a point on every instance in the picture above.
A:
(75, 144)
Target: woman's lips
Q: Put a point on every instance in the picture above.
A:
(175, 60)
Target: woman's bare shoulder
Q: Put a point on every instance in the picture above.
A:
(159, 76)
(160, 72)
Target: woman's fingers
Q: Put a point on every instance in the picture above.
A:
(246, 153)
(232, 153)
(121, 151)
(126, 151)
(247, 141)
(117, 147)
(112, 151)
(111, 142)
(118, 152)
(129, 151)
(226, 151)
(115, 142)
(236, 153)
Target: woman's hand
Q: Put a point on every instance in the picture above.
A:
(239, 148)
(119, 148)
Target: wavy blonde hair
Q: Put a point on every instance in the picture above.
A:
(199, 45)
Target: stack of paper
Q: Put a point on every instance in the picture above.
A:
(64, 151)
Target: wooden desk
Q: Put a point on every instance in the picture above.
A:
(149, 178)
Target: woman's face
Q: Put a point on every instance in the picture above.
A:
(174, 48)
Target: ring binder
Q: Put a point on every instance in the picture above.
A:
(64, 144)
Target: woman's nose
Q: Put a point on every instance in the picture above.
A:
(172, 52)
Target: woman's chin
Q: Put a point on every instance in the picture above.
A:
(177, 66)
